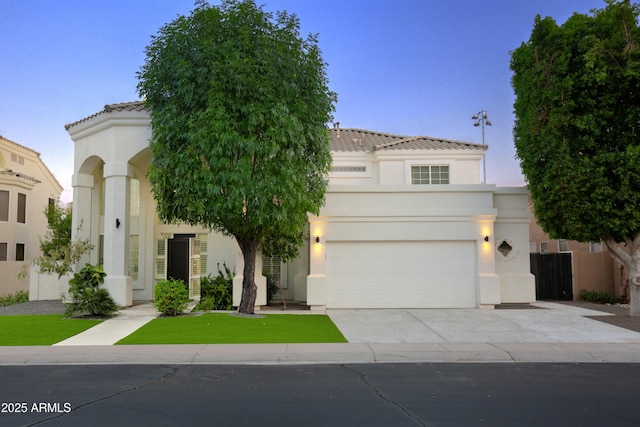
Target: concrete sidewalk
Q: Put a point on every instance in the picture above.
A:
(545, 333)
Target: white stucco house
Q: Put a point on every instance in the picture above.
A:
(406, 223)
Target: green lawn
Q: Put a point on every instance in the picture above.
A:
(223, 328)
(40, 330)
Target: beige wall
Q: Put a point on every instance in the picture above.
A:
(593, 271)
(25, 173)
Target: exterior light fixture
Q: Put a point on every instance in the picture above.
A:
(482, 119)
(486, 238)
(317, 239)
(117, 223)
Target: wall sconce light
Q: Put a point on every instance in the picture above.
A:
(486, 238)
(117, 223)
(317, 239)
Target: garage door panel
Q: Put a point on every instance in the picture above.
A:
(401, 274)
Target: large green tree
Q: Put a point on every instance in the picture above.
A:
(577, 129)
(239, 107)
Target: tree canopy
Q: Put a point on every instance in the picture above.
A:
(577, 127)
(239, 107)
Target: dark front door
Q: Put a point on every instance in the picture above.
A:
(178, 254)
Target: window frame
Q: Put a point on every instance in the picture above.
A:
(4, 211)
(21, 212)
(430, 167)
(21, 251)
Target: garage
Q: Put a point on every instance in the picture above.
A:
(408, 274)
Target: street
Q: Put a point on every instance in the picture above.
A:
(439, 394)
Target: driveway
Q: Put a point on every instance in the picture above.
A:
(543, 322)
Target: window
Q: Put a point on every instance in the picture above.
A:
(544, 247)
(4, 206)
(134, 250)
(349, 169)
(17, 159)
(51, 207)
(563, 246)
(533, 246)
(428, 174)
(22, 208)
(3, 251)
(595, 247)
(19, 251)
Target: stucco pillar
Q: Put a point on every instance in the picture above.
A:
(317, 280)
(489, 281)
(81, 217)
(116, 233)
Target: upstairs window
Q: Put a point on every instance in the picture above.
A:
(22, 208)
(429, 174)
(4, 206)
(3, 251)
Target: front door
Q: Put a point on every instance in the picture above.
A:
(178, 257)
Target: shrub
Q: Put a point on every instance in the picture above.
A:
(18, 298)
(171, 297)
(87, 295)
(597, 297)
(216, 293)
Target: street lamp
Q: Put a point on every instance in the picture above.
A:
(481, 119)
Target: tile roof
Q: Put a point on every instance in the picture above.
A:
(345, 140)
(123, 106)
(355, 140)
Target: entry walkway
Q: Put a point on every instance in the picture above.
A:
(113, 330)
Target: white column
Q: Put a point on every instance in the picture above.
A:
(116, 233)
(81, 218)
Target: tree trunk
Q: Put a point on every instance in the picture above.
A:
(249, 289)
(629, 256)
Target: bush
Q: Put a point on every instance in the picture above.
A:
(598, 297)
(18, 298)
(216, 293)
(171, 297)
(87, 295)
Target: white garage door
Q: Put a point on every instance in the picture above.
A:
(401, 275)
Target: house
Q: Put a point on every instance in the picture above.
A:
(592, 267)
(406, 223)
(27, 187)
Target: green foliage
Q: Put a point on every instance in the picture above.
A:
(59, 252)
(171, 297)
(272, 288)
(216, 293)
(17, 298)
(87, 295)
(598, 297)
(576, 131)
(239, 105)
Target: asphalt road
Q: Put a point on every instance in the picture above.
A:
(513, 394)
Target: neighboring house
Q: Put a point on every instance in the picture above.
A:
(592, 266)
(27, 187)
(406, 223)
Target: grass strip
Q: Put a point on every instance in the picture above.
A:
(40, 329)
(225, 328)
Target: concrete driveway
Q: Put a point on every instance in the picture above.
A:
(543, 323)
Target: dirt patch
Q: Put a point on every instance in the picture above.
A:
(620, 313)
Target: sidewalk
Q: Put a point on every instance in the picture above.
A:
(546, 333)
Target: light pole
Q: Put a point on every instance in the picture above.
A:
(481, 119)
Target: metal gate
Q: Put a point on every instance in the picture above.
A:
(554, 277)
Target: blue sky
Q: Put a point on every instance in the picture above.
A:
(412, 67)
